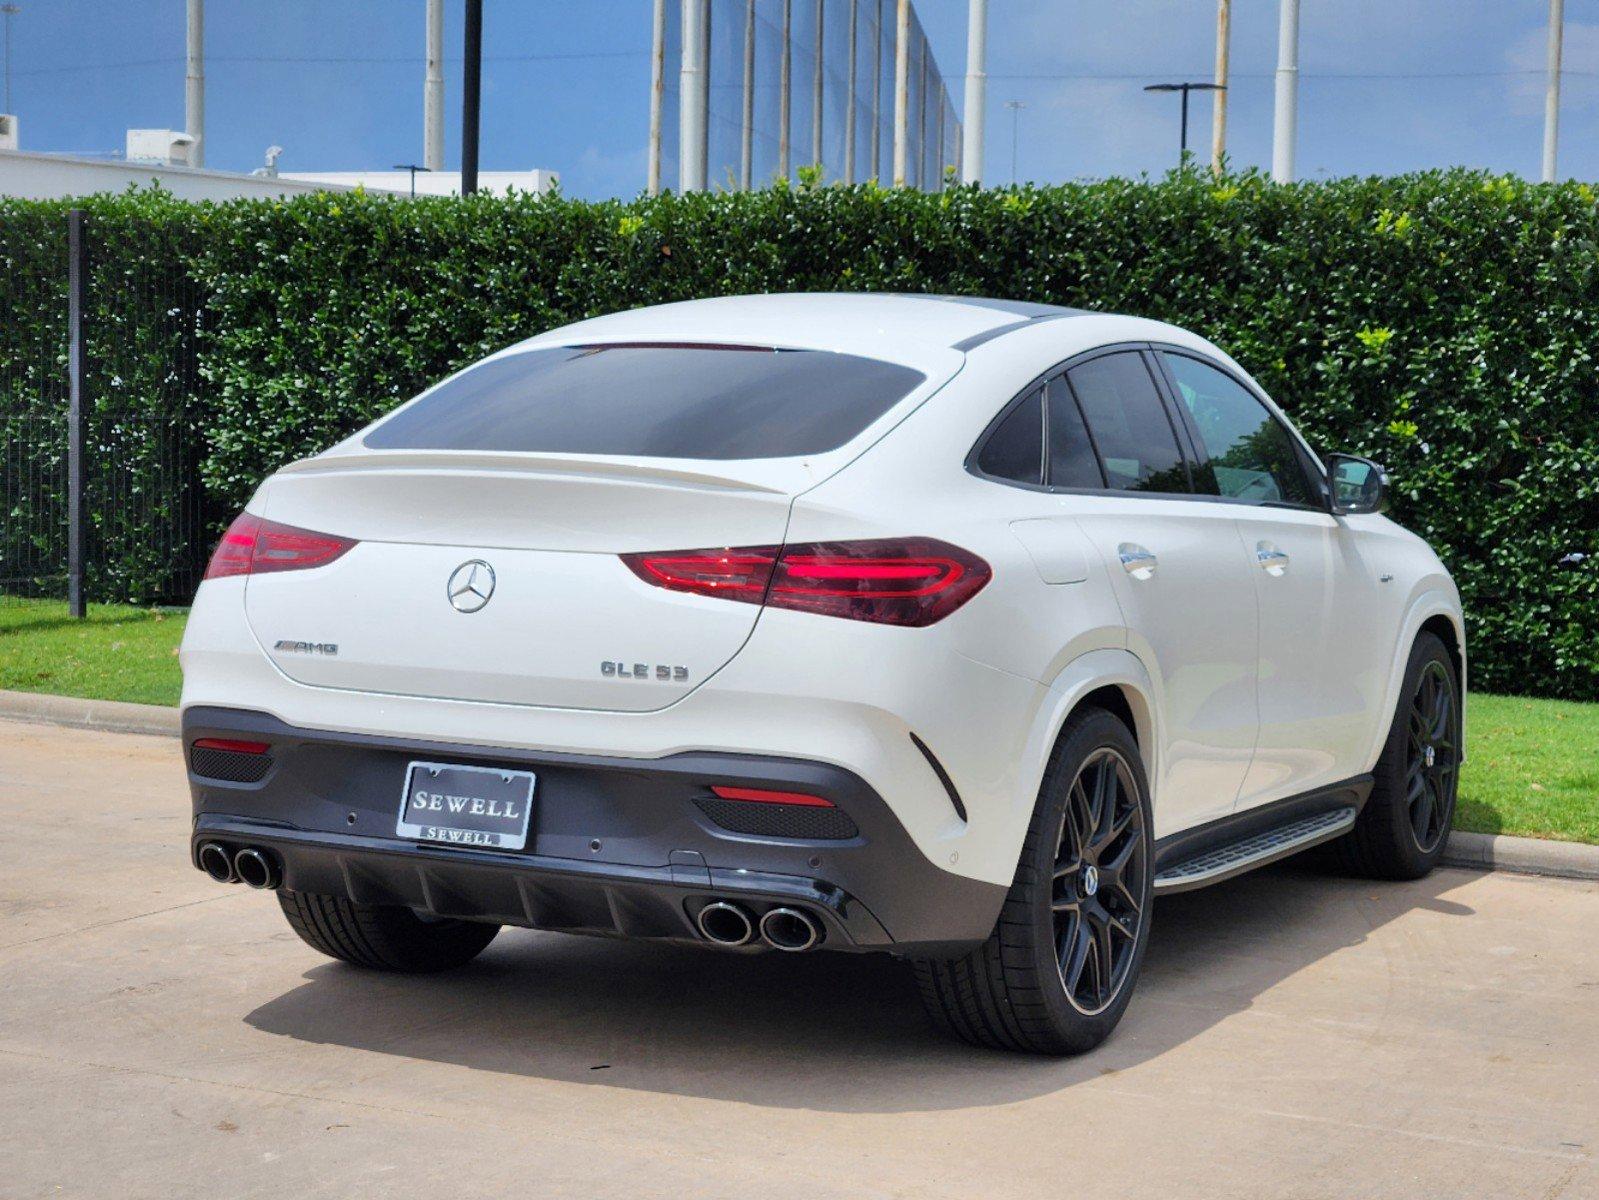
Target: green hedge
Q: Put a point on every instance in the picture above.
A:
(1445, 323)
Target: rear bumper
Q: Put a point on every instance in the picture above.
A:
(619, 846)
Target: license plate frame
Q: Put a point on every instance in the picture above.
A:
(461, 807)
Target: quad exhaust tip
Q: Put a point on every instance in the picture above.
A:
(725, 924)
(789, 929)
(255, 869)
(214, 861)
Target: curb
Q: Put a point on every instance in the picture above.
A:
(110, 716)
(1525, 856)
(1477, 851)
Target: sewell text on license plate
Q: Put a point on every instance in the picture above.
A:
(466, 806)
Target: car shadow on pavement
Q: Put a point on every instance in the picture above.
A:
(831, 1032)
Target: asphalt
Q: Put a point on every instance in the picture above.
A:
(1295, 1035)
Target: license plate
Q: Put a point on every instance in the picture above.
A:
(466, 806)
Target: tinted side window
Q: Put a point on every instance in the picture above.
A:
(654, 401)
(1252, 455)
(1137, 444)
(1015, 450)
(1072, 462)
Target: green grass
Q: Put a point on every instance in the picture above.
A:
(1532, 768)
(117, 652)
(1533, 765)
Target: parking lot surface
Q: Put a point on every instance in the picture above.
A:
(1294, 1035)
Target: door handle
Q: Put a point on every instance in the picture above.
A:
(1137, 561)
(1270, 559)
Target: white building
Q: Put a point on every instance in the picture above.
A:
(430, 183)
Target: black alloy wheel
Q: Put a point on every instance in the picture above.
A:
(1099, 879)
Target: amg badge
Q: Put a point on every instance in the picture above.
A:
(288, 647)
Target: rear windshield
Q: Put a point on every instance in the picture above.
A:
(653, 401)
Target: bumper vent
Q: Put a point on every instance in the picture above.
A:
(802, 822)
(230, 766)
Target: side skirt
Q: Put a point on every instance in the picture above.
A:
(1240, 842)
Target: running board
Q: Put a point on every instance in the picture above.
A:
(1256, 850)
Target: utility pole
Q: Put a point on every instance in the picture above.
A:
(902, 90)
(657, 93)
(976, 90)
(10, 10)
(471, 94)
(194, 84)
(433, 90)
(785, 92)
(818, 84)
(1184, 88)
(1218, 112)
(1285, 126)
(1015, 107)
(692, 96)
(1551, 109)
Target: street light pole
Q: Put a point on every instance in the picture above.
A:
(1015, 107)
(1185, 88)
(413, 168)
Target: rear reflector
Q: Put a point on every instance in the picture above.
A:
(763, 796)
(255, 546)
(229, 744)
(892, 581)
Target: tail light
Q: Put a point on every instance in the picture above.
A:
(255, 546)
(892, 581)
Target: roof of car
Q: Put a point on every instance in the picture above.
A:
(827, 320)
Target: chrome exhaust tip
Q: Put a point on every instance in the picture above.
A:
(790, 929)
(725, 924)
(214, 861)
(255, 869)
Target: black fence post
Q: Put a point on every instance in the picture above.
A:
(77, 370)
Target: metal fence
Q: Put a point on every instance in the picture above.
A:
(100, 440)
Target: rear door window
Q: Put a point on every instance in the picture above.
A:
(1252, 455)
(1132, 431)
(653, 401)
(1072, 461)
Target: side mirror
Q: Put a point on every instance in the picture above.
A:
(1355, 485)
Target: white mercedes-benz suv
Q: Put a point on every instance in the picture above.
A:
(954, 628)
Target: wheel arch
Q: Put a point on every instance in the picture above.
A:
(1112, 679)
(1434, 611)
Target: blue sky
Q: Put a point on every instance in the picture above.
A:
(1389, 85)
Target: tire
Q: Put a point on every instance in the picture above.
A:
(383, 937)
(1404, 828)
(1013, 992)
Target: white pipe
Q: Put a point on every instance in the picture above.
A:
(657, 92)
(902, 89)
(818, 84)
(1286, 125)
(850, 115)
(976, 90)
(785, 94)
(691, 98)
(1551, 110)
(194, 84)
(433, 90)
(746, 145)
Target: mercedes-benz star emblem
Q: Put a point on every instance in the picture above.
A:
(1090, 881)
(471, 584)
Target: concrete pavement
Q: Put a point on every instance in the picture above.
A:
(1295, 1035)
